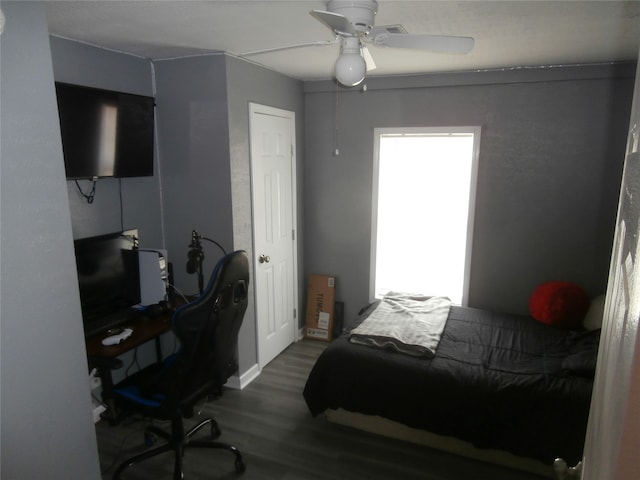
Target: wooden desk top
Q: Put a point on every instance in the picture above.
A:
(144, 329)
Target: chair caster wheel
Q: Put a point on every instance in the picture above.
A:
(240, 466)
(215, 430)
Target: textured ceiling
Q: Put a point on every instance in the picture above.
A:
(507, 33)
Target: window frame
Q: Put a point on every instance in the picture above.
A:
(440, 130)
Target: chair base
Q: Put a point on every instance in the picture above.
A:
(178, 442)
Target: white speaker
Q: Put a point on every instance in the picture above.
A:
(154, 276)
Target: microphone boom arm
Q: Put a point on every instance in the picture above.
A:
(195, 257)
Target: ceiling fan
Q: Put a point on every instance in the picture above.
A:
(353, 22)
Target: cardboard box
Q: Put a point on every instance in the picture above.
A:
(321, 293)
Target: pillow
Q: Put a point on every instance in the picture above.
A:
(593, 319)
(561, 304)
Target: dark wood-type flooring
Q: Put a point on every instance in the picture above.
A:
(279, 440)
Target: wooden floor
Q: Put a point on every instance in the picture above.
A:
(279, 440)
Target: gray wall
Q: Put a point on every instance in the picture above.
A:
(47, 426)
(119, 204)
(202, 123)
(203, 131)
(81, 64)
(249, 83)
(193, 140)
(550, 162)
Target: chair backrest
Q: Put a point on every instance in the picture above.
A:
(208, 329)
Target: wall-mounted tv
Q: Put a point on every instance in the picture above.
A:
(105, 133)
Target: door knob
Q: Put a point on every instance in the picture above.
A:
(264, 258)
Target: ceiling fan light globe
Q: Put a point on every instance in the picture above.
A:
(350, 69)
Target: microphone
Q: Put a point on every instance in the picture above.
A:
(195, 255)
(194, 261)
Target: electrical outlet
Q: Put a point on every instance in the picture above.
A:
(95, 383)
(97, 410)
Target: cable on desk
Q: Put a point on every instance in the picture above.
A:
(179, 292)
(134, 360)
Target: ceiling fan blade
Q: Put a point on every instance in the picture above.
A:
(368, 59)
(433, 43)
(336, 22)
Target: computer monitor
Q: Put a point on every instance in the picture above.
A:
(108, 275)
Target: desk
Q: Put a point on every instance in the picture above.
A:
(104, 358)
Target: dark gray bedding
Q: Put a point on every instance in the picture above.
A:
(497, 381)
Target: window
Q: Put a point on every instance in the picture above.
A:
(424, 192)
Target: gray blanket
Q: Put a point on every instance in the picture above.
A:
(407, 323)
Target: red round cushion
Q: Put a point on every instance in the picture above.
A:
(561, 304)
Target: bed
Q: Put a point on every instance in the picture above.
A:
(496, 381)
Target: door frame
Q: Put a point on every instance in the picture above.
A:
(256, 108)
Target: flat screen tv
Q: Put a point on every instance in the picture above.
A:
(105, 133)
(108, 274)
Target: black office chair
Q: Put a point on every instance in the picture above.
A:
(208, 330)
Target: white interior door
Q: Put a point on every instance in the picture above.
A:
(272, 133)
(612, 441)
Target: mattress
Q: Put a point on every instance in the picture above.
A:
(497, 381)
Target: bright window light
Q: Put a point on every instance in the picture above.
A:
(424, 188)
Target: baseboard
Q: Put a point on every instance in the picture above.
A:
(300, 334)
(238, 382)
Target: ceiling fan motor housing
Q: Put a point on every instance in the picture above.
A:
(360, 13)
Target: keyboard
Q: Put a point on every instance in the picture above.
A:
(102, 323)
